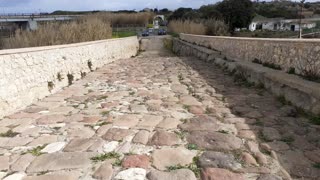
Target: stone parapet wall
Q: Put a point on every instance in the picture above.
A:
(30, 74)
(287, 53)
(301, 93)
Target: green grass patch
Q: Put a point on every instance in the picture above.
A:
(193, 167)
(36, 151)
(123, 34)
(317, 165)
(105, 113)
(9, 133)
(105, 156)
(192, 147)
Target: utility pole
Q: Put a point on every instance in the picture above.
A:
(300, 22)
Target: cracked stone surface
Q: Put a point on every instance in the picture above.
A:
(165, 116)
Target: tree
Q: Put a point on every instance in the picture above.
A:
(236, 13)
(210, 12)
(180, 13)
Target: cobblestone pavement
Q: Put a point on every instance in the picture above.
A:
(159, 117)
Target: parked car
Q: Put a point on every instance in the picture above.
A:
(162, 32)
(145, 33)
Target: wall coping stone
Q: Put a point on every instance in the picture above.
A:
(63, 46)
(256, 39)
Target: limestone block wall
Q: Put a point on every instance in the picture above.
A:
(300, 92)
(288, 53)
(30, 74)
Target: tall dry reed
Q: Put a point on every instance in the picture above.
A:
(89, 28)
(199, 27)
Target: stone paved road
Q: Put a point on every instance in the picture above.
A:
(158, 117)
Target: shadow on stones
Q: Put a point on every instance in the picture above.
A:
(259, 116)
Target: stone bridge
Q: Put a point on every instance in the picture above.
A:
(107, 110)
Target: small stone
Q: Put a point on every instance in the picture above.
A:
(253, 147)
(269, 177)
(179, 88)
(249, 159)
(54, 147)
(132, 174)
(150, 121)
(141, 137)
(138, 108)
(110, 146)
(136, 161)
(261, 158)
(22, 163)
(78, 145)
(51, 119)
(60, 161)
(258, 170)
(201, 123)
(214, 140)
(196, 110)
(218, 160)
(313, 155)
(247, 134)
(45, 139)
(219, 174)
(279, 146)
(169, 123)
(16, 176)
(271, 134)
(190, 101)
(91, 119)
(116, 134)
(163, 158)
(265, 147)
(180, 174)
(104, 172)
(4, 163)
(163, 138)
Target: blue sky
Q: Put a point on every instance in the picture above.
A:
(32, 6)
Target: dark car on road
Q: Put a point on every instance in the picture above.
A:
(145, 33)
(162, 32)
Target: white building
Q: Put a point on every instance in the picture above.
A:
(280, 24)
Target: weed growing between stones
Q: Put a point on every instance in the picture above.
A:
(180, 77)
(316, 165)
(42, 173)
(240, 79)
(59, 77)
(36, 151)
(186, 107)
(105, 156)
(192, 146)
(288, 140)
(83, 74)
(105, 113)
(223, 131)
(283, 100)
(70, 79)
(183, 121)
(208, 110)
(315, 120)
(193, 167)
(50, 86)
(103, 123)
(181, 134)
(131, 93)
(90, 65)
(291, 70)
(103, 97)
(9, 133)
(258, 122)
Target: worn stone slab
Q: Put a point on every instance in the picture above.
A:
(116, 134)
(163, 158)
(60, 161)
(184, 174)
(214, 140)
